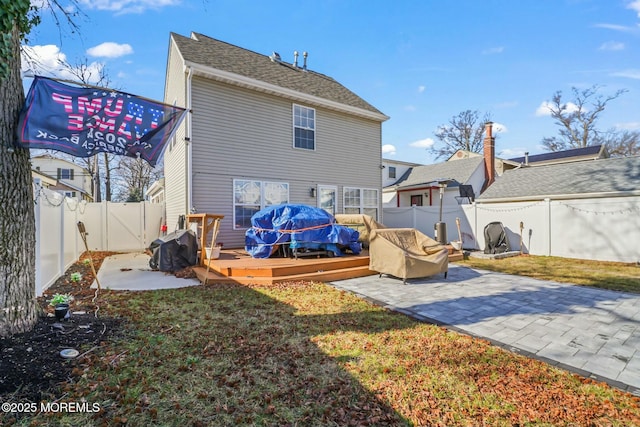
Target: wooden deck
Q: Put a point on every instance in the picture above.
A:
(236, 266)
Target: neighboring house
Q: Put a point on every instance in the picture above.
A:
(586, 210)
(71, 180)
(155, 192)
(392, 172)
(610, 177)
(592, 152)
(261, 132)
(43, 179)
(500, 165)
(464, 174)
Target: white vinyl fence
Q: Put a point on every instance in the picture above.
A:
(118, 227)
(603, 229)
(424, 218)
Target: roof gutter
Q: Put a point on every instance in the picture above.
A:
(238, 80)
(600, 195)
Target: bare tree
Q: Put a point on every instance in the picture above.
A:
(136, 175)
(18, 305)
(577, 119)
(98, 75)
(463, 132)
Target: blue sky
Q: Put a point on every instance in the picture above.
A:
(420, 62)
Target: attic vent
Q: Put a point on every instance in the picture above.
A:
(275, 57)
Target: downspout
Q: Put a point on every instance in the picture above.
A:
(188, 142)
(548, 201)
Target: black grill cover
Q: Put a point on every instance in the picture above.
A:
(495, 238)
(174, 251)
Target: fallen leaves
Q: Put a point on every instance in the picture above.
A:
(307, 354)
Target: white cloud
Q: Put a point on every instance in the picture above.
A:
(110, 50)
(493, 50)
(47, 5)
(422, 143)
(635, 6)
(499, 128)
(389, 149)
(612, 46)
(42, 58)
(630, 74)
(620, 28)
(49, 61)
(410, 108)
(421, 88)
(545, 108)
(127, 6)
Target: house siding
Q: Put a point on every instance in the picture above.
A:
(50, 165)
(175, 155)
(238, 133)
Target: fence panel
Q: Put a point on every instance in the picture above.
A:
(424, 218)
(117, 227)
(603, 229)
(57, 245)
(93, 216)
(533, 215)
(606, 229)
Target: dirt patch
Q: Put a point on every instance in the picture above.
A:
(31, 365)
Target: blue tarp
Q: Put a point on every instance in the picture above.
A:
(300, 227)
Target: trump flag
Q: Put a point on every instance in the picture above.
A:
(85, 121)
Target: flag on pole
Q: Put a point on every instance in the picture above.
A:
(85, 121)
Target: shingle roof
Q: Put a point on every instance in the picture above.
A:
(459, 170)
(209, 52)
(591, 150)
(597, 176)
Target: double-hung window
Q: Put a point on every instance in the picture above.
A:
(304, 127)
(361, 201)
(65, 173)
(250, 196)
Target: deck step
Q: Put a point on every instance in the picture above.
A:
(298, 269)
(232, 267)
(319, 276)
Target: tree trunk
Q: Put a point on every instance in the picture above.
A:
(18, 305)
(97, 191)
(107, 179)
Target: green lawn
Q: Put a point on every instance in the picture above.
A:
(306, 354)
(607, 275)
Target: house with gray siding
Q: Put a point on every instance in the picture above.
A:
(263, 131)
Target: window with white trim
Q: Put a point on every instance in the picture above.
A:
(250, 196)
(304, 127)
(361, 201)
(392, 171)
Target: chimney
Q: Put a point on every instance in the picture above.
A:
(304, 55)
(489, 155)
(295, 58)
(526, 158)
